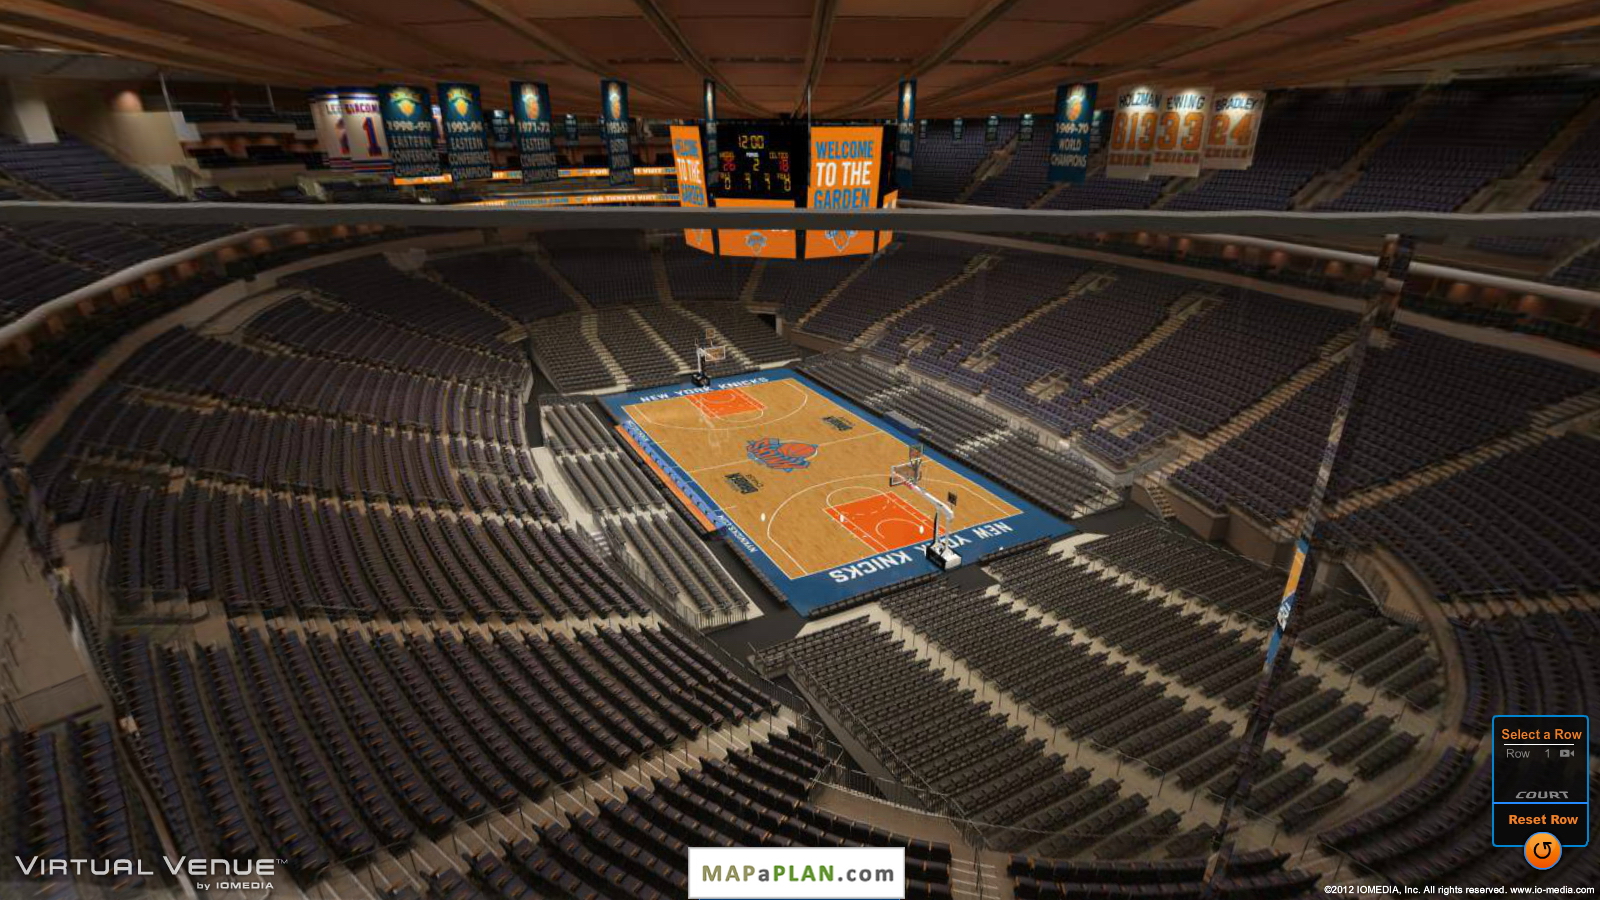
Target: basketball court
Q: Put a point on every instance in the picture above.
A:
(799, 479)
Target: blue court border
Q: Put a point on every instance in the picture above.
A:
(819, 589)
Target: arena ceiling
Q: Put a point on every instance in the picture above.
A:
(971, 56)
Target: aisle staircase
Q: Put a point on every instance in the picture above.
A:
(976, 264)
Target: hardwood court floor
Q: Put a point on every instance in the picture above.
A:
(803, 477)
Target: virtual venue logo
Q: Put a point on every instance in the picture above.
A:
(206, 874)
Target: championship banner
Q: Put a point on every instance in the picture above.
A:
(363, 130)
(501, 129)
(991, 130)
(466, 139)
(844, 176)
(905, 133)
(327, 118)
(614, 126)
(572, 128)
(922, 130)
(1069, 144)
(1231, 135)
(1097, 136)
(958, 127)
(763, 243)
(1181, 132)
(1025, 130)
(1133, 133)
(711, 118)
(408, 127)
(688, 158)
(535, 145)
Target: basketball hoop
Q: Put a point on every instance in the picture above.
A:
(906, 473)
(710, 350)
(909, 474)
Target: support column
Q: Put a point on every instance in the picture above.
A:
(1390, 277)
(24, 114)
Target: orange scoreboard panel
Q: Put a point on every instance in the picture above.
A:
(764, 243)
(845, 165)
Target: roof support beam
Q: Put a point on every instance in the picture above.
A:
(553, 45)
(1064, 54)
(822, 16)
(970, 27)
(669, 31)
(56, 15)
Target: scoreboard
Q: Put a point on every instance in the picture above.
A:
(765, 161)
(789, 164)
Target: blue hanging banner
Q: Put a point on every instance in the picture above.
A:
(614, 126)
(710, 143)
(466, 138)
(572, 128)
(1025, 129)
(408, 125)
(958, 127)
(501, 130)
(991, 130)
(906, 133)
(1069, 142)
(531, 106)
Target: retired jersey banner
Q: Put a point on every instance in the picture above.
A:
(991, 130)
(327, 118)
(689, 159)
(844, 176)
(1133, 133)
(408, 127)
(500, 129)
(535, 137)
(710, 102)
(905, 133)
(1231, 134)
(466, 138)
(766, 243)
(363, 130)
(958, 127)
(1181, 132)
(1069, 142)
(1025, 129)
(614, 126)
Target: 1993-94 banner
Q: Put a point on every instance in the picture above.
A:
(466, 137)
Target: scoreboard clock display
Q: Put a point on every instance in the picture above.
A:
(767, 160)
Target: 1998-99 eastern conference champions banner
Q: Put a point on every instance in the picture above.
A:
(408, 126)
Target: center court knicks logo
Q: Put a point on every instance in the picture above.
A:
(785, 456)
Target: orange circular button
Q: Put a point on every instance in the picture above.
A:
(1542, 850)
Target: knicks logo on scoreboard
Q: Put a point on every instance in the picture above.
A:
(756, 241)
(840, 239)
(784, 456)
